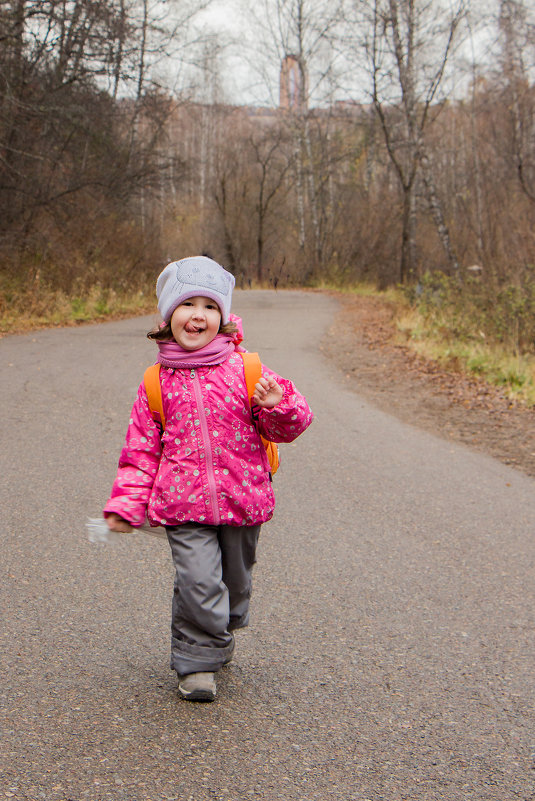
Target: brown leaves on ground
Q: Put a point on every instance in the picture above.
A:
(419, 391)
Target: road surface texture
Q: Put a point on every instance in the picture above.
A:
(391, 652)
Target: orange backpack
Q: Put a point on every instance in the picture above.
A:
(253, 371)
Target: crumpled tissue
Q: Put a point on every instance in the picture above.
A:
(99, 533)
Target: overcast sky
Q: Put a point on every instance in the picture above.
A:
(248, 74)
(239, 54)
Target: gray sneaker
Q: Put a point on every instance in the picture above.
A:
(197, 686)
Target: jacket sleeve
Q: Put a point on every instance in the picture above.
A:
(138, 464)
(286, 421)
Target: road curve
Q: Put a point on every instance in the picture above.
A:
(391, 650)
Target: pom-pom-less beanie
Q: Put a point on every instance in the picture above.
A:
(192, 277)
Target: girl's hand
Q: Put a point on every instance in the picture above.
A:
(116, 523)
(267, 393)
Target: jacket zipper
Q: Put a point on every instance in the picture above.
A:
(207, 447)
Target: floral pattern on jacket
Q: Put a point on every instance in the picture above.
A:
(209, 465)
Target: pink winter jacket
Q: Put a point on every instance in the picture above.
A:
(210, 465)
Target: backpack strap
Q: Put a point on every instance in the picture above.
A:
(153, 389)
(252, 367)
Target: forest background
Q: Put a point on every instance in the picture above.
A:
(396, 149)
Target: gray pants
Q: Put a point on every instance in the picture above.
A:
(211, 592)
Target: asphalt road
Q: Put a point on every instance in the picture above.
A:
(391, 652)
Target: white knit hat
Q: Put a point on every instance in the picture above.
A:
(188, 278)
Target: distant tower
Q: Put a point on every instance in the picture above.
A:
(293, 85)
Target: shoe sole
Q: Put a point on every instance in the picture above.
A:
(196, 695)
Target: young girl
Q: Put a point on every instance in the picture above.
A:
(207, 477)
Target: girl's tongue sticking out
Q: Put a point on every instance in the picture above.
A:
(195, 322)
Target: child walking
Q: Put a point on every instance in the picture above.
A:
(206, 478)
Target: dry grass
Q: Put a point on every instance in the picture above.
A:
(470, 352)
(514, 372)
(38, 307)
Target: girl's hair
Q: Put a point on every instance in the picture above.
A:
(164, 331)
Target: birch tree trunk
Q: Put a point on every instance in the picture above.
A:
(436, 209)
(400, 30)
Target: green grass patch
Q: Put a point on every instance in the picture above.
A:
(476, 329)
(471, 328)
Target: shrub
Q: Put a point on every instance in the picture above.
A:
(477, 309)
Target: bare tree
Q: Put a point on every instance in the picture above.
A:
(72, 145)
(518, 41)
(299, 37)
(270, 168)
(408, 45)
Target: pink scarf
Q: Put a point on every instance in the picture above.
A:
(216, 352)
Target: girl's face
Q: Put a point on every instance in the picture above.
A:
(195, 322)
